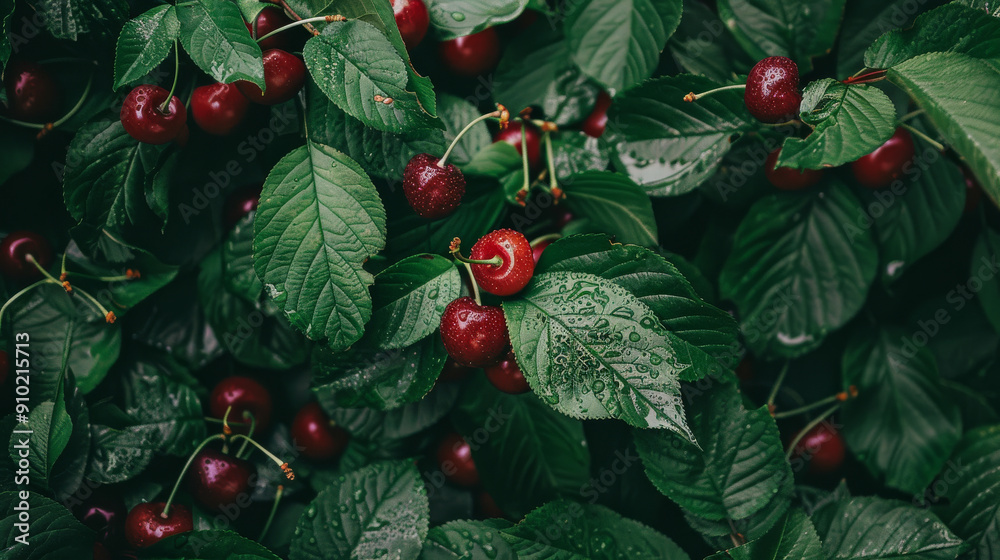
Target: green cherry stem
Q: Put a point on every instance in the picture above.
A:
(307, 21)
(802, 433)
(910, 115)
(808, 407)
(550, 161)
(253, 426)
(495, 261)
(524, 159)
(282, 464)
(23, 291)
(939, 146)
(270, 516)
(444, 159)
(546, 237)
(777, 387)
(170, 499)
(475, 285)
(173, 86)
(64, 118)
(695, 96)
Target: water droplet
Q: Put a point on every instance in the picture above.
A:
(458, 16)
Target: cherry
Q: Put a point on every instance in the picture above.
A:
(32, 94)
(284, 75)
(432, 191)
(487, 506)
(412, 20)
(538, 248)
(216, 479)
(453, 371)
(104, 512)
(788, 179)
(563, 219)
(516, 264)
(823, 448)
(145, 524)
(597, 120)
(268, 20)
(474, 335)
(454, 457)
(240, 203)
(314, 434)
(218, 108)
(533, 141)
(14, 251)
(143, 120)
(884, 165)
(973, 191)
(471, 55)
(506, 376)
(772, 93)
(244, 395)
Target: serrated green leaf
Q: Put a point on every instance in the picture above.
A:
(168, 409)
(6, 11)
(53, 531)
(482, 209)
(949, 28)
(575, 152)
(984, 267)
(251, 8)
(49, 427)
(238, 273)
(456, 113)
(409, 297)
(466, 540)
(144, 43)
(66, 474)
(864, 22)
(209, 545)
(499, 162)
(216, 38)
(119, 455)
(972, 490)
(793, 539)
(124, 293)
(718, 533)
(612, 204)
(702, 45)
(375, 425)
(69, 19)
(458, 18)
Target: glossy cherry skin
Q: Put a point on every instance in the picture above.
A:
(823, 448)
(516, 268)
(412, 19)
(144, 525)
(268, 20)
(474, 335)
(216, 479)
(597, 120)
(32, 94)
(772, 93)
(315, 436)
(14, 251)
(104, 512)
(471, 55)
(243, 394)
(284, 75)
(454, 457)
(788, 179)
(532, 138)
(218, 108)
(143, 120)
(432, 191)
(538, 248)
(506, 375)
(884, 165)
(241, 203)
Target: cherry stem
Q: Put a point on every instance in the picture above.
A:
(177, 71)
(253, 426)
(270, 516)
(108, 316)
(802, 433)
(64, 118)
(910, 115)
(550, 161)
(694, 96)
(495, 261)
(777, 386)
(444, 159)
(861, 79)
(940, 147)
(524, 158)
(546, 237)
(271, 456)
(317, 19)
(736, 536)
(808, 407)
(291, 13)
(170, 499)
(475, 286)
(23, 291)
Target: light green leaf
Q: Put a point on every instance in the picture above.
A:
(458, 540)
(50, 428)
(793, 539)
(144, 43)
(458, 18)
(949, 28)
(612, 204)
(214, 35)
(53, 532)
(456, 113)
(409, 298)
(165, 409)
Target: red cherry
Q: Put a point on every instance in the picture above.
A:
(143, 120)
(412, 20)
(474, 335)
(14, 251)
(217, 480)
(432, 191)
(823, 448)
(453, 371)
(244, 395)
(884, 165)
(533, 141)
(516, 267)
(268, 20)
(284, 75)
(104, 512)
(506, 375)
(471, 55)
(788, 179)
(218, 108)
(538, 248)
(32, 94)
(772, 93)
(315, 436)
(597, 120)
(973, 191)
(487, 507)
(145, 524)
(241, 203)
(454, 458)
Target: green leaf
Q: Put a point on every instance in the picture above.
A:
(482, 209)
(251, 8)
(984, 5)
(477, 540)
(864, 22)
(122, 294)
(319, 220)
(499, 162)
(876, 528)
(984, 267)
(613, 204)
(386, 511)
(848, 121)
(375, 425)
(53, 531)
(565, 529)
(238, 273)
(120, 454)
(409, 297)
(961, 97)
(68, 19)
(670, 146)
(590, 349)
(901, 425)
(718, 533)
(458, 18)
(169, 410)
(533, 453)
(739, 467)
(796, 272)
(456, 113)
(144, 43)
(949, 28)
(797, 29)
(971, 485)
(66, 474)
(353, 64)
(50, 428)
(574, 152)
(6, 11)
(619, 43)
(793, 539)
(702, 45)
(216, 38)
(209, 545)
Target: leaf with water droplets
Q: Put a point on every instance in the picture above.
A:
(409, 297)
(793, 539)
(971, 504)
(466, 540)
(145, 42)
(209, 545)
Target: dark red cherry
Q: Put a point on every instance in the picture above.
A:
(316, 436)
(772, 93)
(538, 248)
(432, 191)
(240, 203)
(823, 448)
(14, 251)
(104, 512)
(145, 524)
(474, 335)
(216, 479)
(284, 75)
(515, 269)
(243, 394)
(597, 120)
(506, 375)
(454, 457)
(532, 137)
(885, 165)
(412, 20)
(471, 55)
(32, 94)
(268, 20)
(788, 179)
(143, 120)
(218, 108)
